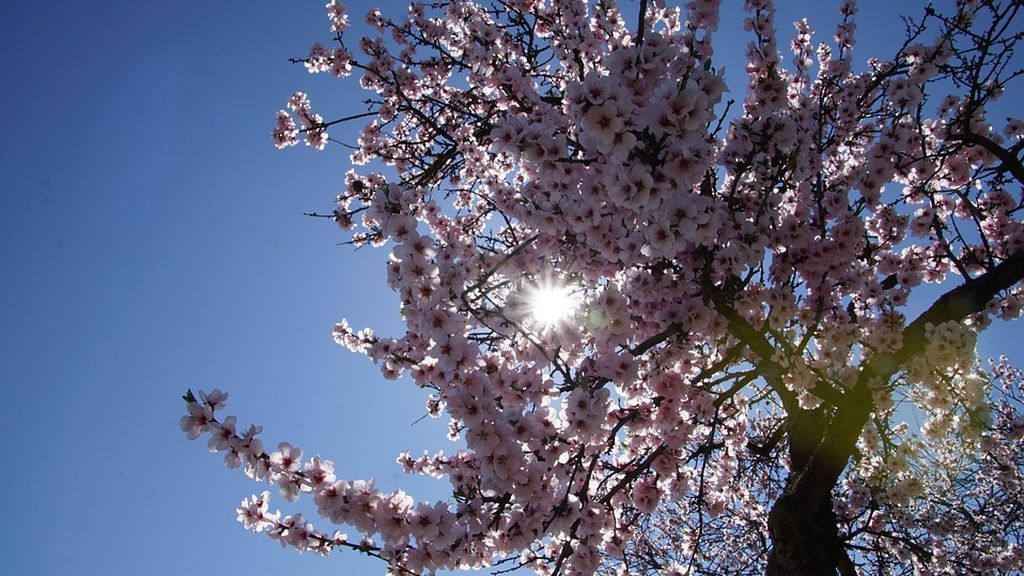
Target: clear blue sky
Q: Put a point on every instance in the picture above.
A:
(152, 240)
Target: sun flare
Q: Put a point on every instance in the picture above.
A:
(550, 304)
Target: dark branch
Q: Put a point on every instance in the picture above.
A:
(955, 305)
(1010, 162)
(641, 24)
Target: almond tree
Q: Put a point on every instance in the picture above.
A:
(678, 334)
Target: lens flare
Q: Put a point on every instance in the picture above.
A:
(550, 304)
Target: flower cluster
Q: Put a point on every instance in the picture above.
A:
(286, 132)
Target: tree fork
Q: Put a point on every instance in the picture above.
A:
(803, 527)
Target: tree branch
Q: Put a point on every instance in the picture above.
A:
(955, 305)
(641, 24)
(1010, 162)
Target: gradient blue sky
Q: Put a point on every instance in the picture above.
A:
(152, 240)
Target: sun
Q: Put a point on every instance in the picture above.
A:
(549, 305)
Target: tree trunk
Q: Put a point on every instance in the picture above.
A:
(805, 539)
(803, 527)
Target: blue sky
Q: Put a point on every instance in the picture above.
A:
(152, 240)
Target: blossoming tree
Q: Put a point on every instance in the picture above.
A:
(675, 334)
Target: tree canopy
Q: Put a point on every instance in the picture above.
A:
(675, 333)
